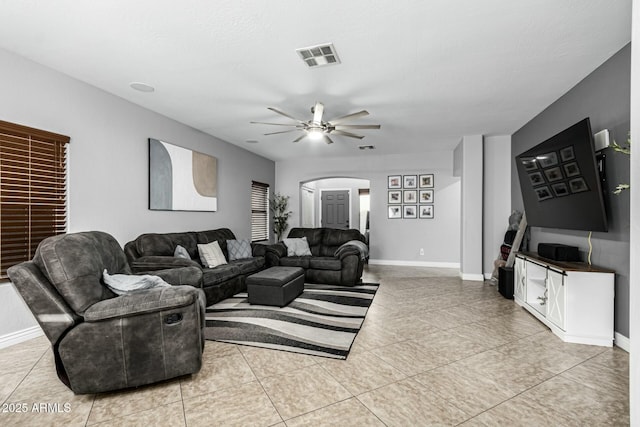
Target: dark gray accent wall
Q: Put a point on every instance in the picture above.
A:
(604, 97)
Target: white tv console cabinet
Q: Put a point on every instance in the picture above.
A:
(573, 299)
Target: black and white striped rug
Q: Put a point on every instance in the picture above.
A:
(323, 321)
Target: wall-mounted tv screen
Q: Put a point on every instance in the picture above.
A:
(560, 182)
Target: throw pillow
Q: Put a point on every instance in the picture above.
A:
(122, 284)
(297, 247)
(181, 252)
(211, 255)
(238, 249)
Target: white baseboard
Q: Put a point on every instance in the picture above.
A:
(622, 342)
(488, 276)
(479, 277)
(20, 336)
(415, 263)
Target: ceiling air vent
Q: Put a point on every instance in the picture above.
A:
(322, 54)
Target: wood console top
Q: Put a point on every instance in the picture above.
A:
(564, 265)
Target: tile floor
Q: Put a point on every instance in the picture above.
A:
(434, 350)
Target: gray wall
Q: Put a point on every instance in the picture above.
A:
(496, 197)
(469, 155)
(392, 240)
(603, 96)
(108, 159)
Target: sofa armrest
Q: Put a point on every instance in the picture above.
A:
(147, 264)
(274, 252)
(180, 276)
(259, 249)
(346, 250)
(148, 301)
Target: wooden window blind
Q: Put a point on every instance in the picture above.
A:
(259, 211)
(33, 187)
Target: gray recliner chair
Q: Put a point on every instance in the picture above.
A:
(102, 341)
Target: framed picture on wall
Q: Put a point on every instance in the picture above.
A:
(426, 180)
(426, 196)
(426, 211)
(395, 196)
(394, 181)
(410, 196)
(395, 212)
(410, 181)
(410, 211)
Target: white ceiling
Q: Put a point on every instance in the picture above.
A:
(428, 71)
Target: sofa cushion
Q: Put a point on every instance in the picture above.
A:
(249, 265)
(211, 255)
(219, 274)
(73, 263)
(238, 249)
(325, 263)
(297, 246)
(165, 243)
(295, 261)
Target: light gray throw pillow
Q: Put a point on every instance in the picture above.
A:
(181, 252)
(297, 247)
(238, 249)
(122, 284)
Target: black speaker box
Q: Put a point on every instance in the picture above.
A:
(558, 252)
(505, 282)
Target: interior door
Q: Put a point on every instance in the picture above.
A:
(335, 209)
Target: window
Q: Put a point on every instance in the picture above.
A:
(33, 182)
(259, 211)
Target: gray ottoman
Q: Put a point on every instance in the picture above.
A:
(275, 286)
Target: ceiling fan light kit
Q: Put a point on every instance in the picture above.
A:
(317, 129)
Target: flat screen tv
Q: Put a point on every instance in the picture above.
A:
(560, 182)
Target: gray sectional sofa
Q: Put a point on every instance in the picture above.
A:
(337, 256)
(155, 251)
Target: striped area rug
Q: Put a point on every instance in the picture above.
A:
(323, 321)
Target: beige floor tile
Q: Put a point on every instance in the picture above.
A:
(23, 356)
(348, 413)
(374, 336)
(65, 409)
(303, 391)
(216, 374)
(465, 388)
(598, 377)
(447, 347)
(117, 404)
(40, 384)
(362, 372)
(532, 354)
(265, 362)
(522, 412)
(576, 401)
(409, 403)
(246, 405)
(171, 415)
(409, 357)
(214, 349)
(9, 382)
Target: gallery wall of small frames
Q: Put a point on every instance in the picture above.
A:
(410, 196)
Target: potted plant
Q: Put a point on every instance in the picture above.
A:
(279, 207)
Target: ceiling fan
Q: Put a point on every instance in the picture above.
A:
(317, 129)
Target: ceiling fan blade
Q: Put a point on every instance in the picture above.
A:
(348, 117)
(327, 139)
(349, 134)
(358, 126)
(298, 139)
(282, 131)
(275, 110)
(274, 124)
(318, 110)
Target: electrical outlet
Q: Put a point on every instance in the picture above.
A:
(421, 251)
